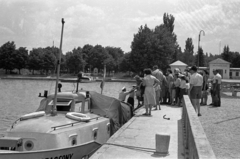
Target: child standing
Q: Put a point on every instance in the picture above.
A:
(183, 87)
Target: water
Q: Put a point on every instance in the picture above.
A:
(19, 97)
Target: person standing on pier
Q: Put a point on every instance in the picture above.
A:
(196, 81)
(149, 82)
(170, 81)
(159, 75)
(217, 79)
(164, 90)
(205, 88)
(140, 91)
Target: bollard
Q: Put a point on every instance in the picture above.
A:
(162, 144)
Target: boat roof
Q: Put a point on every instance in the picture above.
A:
(45, 123)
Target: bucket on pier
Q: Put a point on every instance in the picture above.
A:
(162, 144)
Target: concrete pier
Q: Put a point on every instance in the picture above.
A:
(137, 138)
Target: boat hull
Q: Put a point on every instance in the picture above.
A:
(74, 152)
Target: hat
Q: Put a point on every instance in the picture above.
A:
(124, 88)
(136, 77)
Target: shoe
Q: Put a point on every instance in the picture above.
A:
(199, 114)
(211, 104)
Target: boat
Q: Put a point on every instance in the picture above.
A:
(86, 78)
(84, 121)
(66, 125)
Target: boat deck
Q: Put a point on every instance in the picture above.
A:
(136, 139)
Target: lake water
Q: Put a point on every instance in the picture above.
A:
(19, 97)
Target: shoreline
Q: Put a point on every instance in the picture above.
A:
(69, 80)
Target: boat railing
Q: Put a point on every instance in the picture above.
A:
(72, 124)
(195, 142)
(15, 122)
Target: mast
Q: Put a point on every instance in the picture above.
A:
(54, 110)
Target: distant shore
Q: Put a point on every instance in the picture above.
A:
(68, 79)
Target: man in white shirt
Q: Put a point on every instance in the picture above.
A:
(216, 97)
(196, 82)
(123, 94)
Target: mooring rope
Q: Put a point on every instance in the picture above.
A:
(133, 147)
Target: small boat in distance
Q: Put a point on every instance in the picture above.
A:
(85, 78)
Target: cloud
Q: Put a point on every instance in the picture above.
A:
(36, 23)
(218, 18)
(6, 31)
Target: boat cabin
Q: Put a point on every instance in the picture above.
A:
(66, 102)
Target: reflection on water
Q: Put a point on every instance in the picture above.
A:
(18, 97)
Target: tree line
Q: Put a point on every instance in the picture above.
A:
(231, 56)
(44, 60)
(158, 46)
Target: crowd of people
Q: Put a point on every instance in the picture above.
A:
(156, 88)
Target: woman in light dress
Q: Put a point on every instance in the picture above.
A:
(150, 82)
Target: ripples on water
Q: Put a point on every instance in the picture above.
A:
(18, 97)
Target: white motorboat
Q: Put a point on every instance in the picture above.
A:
(75, 132)
(67, 125)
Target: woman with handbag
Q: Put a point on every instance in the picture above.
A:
(205, 88)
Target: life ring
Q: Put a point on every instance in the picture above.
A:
(78, 116)
(32, 115)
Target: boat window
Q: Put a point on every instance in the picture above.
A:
(78, 106)
(62, 104)
(28, 145)
(73, 139)
(10, 143)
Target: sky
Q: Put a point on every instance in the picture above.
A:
(37, 23)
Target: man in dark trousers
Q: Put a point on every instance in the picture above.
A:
(216, 91)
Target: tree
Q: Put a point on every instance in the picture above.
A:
(235, 59)
(48, 60)
(116, 54)
(188, 52)
(7, 51)
(163, 47)
(226, 55)
(125, 63)
(168, 21)
(74, 60)
(20, 58)
(97, 57)
(199, 59)
(35, 61)
(140, 49)
(86, 50)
